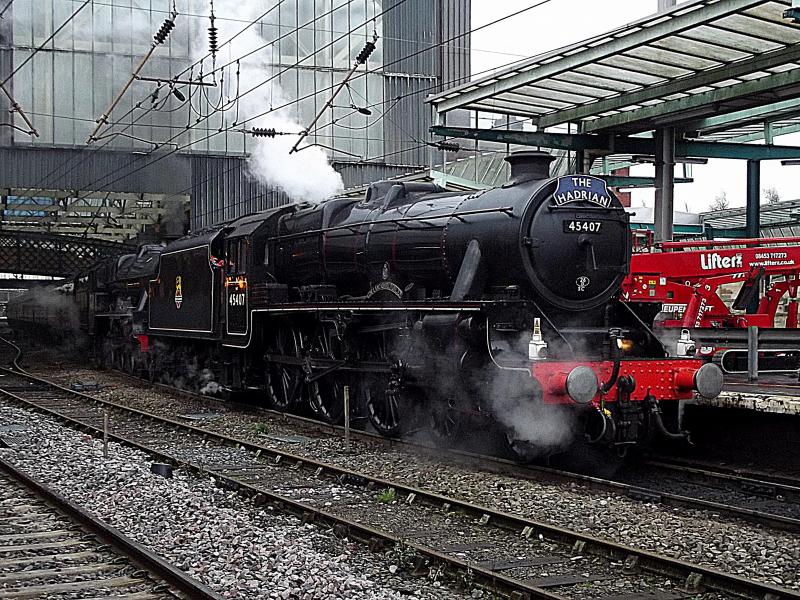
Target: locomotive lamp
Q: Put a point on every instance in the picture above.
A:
(625, 344)
(686, 345)
(537, 347)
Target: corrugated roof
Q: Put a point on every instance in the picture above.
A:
(690, 65)
(785, 214)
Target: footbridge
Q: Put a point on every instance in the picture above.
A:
(30, 253)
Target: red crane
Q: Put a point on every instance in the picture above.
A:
(685, 277)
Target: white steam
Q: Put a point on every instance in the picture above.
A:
(547, 427)
(305, 175)
(518, 405)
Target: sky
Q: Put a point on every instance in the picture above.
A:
(559, 23)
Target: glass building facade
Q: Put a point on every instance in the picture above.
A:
(71, 82)
(64, 71)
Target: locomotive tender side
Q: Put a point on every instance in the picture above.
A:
(450, 310)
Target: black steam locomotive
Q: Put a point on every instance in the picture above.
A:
(430, 308)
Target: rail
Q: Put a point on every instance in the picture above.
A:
(146, 426)
(137, 554)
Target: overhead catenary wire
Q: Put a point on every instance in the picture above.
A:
(15, 106)
(159, 157)
(5, 8)
(361, 59)
(82, 157)
(366, 161)
(158, 39)
(47, 41)
(365, 73)
(162, 156)
(288, 68)
(200, 61)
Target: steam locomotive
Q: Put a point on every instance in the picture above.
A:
(489, 310)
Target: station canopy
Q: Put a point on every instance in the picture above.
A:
(715, 70)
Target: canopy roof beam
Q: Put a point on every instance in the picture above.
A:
(754, 93)
(701, 79)
(750, 116)
(532, 72)
(777, 130)
(608, 144)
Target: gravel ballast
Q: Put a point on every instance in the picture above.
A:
(701, 537)
(236, 548)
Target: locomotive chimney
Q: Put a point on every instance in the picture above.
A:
(529, 164)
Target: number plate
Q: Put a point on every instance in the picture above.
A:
(582, 226)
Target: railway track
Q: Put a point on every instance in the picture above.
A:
(765, 499)
(472, 545)
(52, 548)
(790, 479)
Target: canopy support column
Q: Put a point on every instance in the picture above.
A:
(753, 198)
(665, 183)
(753, 223)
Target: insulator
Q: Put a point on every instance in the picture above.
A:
(368, 49)
(178, 94)
(161, 35)
(262, 132)
(212, 39)
(447, 146)
(154, 97)
(363, 110)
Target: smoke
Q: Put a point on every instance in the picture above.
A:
(209, 386)
(51, 311)
(305, 175)
(517, 402)
(511, 396)
(174, 221)
(178, 366)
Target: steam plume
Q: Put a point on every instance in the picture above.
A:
(305, 175)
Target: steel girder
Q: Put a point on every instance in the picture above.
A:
(750, 94)
(609, 144)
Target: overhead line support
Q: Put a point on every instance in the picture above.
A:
(16, 108)
(158, 39)
(362, 57)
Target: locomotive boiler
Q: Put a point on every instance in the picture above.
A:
(494, 310)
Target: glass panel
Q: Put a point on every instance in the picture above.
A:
(83, 96)
(122, 20)
(103, 32)
(82, 27)
(61, 12)
(64, 132)
(23, 23)
(43, 95)
(288, 33)
(43, 22)
(322, 33)
(341, 25)
(102, 83)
